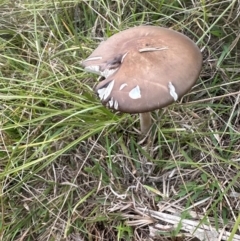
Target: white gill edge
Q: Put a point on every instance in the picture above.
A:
(122, 86)
(172, 91)
(115, 105)
(110, 102)
(152, 49)
(108, 90)
(135, 93)
(93, 58)
(101, 93)
(93, 69)
(123, 57)
(107, 72)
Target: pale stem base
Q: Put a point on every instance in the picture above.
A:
(145, 122)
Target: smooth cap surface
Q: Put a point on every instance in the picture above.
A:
(145, 68)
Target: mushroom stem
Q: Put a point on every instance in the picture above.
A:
(145, 122)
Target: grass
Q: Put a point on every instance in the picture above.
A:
(70, 169)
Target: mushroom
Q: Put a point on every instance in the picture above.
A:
(145, 68)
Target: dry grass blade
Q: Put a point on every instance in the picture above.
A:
(195, 228)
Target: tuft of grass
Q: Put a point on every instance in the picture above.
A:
(70, 169)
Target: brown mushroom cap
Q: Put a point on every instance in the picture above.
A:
(145, 67)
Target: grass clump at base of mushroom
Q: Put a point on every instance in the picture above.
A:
(74, 170)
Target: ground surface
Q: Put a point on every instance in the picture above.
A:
(70, 169)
